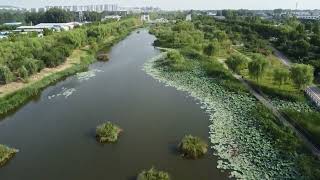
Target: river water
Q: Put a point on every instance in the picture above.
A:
(55, 133)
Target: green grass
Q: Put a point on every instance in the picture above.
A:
(310, 121)
(193, 147)
(107, 133)
(268, 86)
(153, 174)
(6, 154)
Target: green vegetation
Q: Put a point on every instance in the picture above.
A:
(281, 75)
(302, 75)
(153, 174)
(6, 154)
(108, 133)
(307, 120)
(257, 67)
(193, 147)
(176, 62)
(237, 62)
(251, 57)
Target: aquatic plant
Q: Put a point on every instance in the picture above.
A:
(153, 174)
(6, 154)
(107, 133)
(193, 147)
(237, 132)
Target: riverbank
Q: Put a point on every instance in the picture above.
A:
(244, 135)
(15, 94)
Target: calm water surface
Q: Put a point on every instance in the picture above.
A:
(55, 133)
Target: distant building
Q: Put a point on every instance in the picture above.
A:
(219, 17)
(145, 17)
(91, 8)
(309, 17)
(53, 26)
(13, 24)
(111, 17)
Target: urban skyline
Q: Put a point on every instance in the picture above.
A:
(175, 4)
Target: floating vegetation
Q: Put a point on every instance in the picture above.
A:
(6, 154)
(237, 137)
(85, 76)
(153, 174)
(107, 133)
(193, 147)
(65, 92)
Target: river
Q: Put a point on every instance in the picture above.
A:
(55, 132)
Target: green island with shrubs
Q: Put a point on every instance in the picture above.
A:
(192, 147)
(6, 154)
(153, 174)
(108, 132)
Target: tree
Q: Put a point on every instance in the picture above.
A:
(302, 75)
(212, 48)
(257, 66)
(281, 75)
(55, 15)
(236, 63)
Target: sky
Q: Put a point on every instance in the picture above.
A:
(177, 4)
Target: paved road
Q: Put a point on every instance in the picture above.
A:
(312, 91)
(299, 132)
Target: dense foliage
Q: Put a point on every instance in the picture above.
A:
(108, 132)
(153, 174)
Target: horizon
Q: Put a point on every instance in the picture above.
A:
(176, 4)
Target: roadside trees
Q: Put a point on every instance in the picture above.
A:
(236, 63)
(281, 75)
(257, 66)
(302, 75)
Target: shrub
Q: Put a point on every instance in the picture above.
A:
(193, 147)
(236, 63)
(6, 154)
(31, 65)
(216, 69)
(176, 62)
(107, 132)
(23, 72)
(103, 57)
(153, 174)
(6, 75)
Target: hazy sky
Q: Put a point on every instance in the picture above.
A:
(177, 4)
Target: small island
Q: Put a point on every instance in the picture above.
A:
(153, 174)
(107, 133)
(193, 147)
(6, 154)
